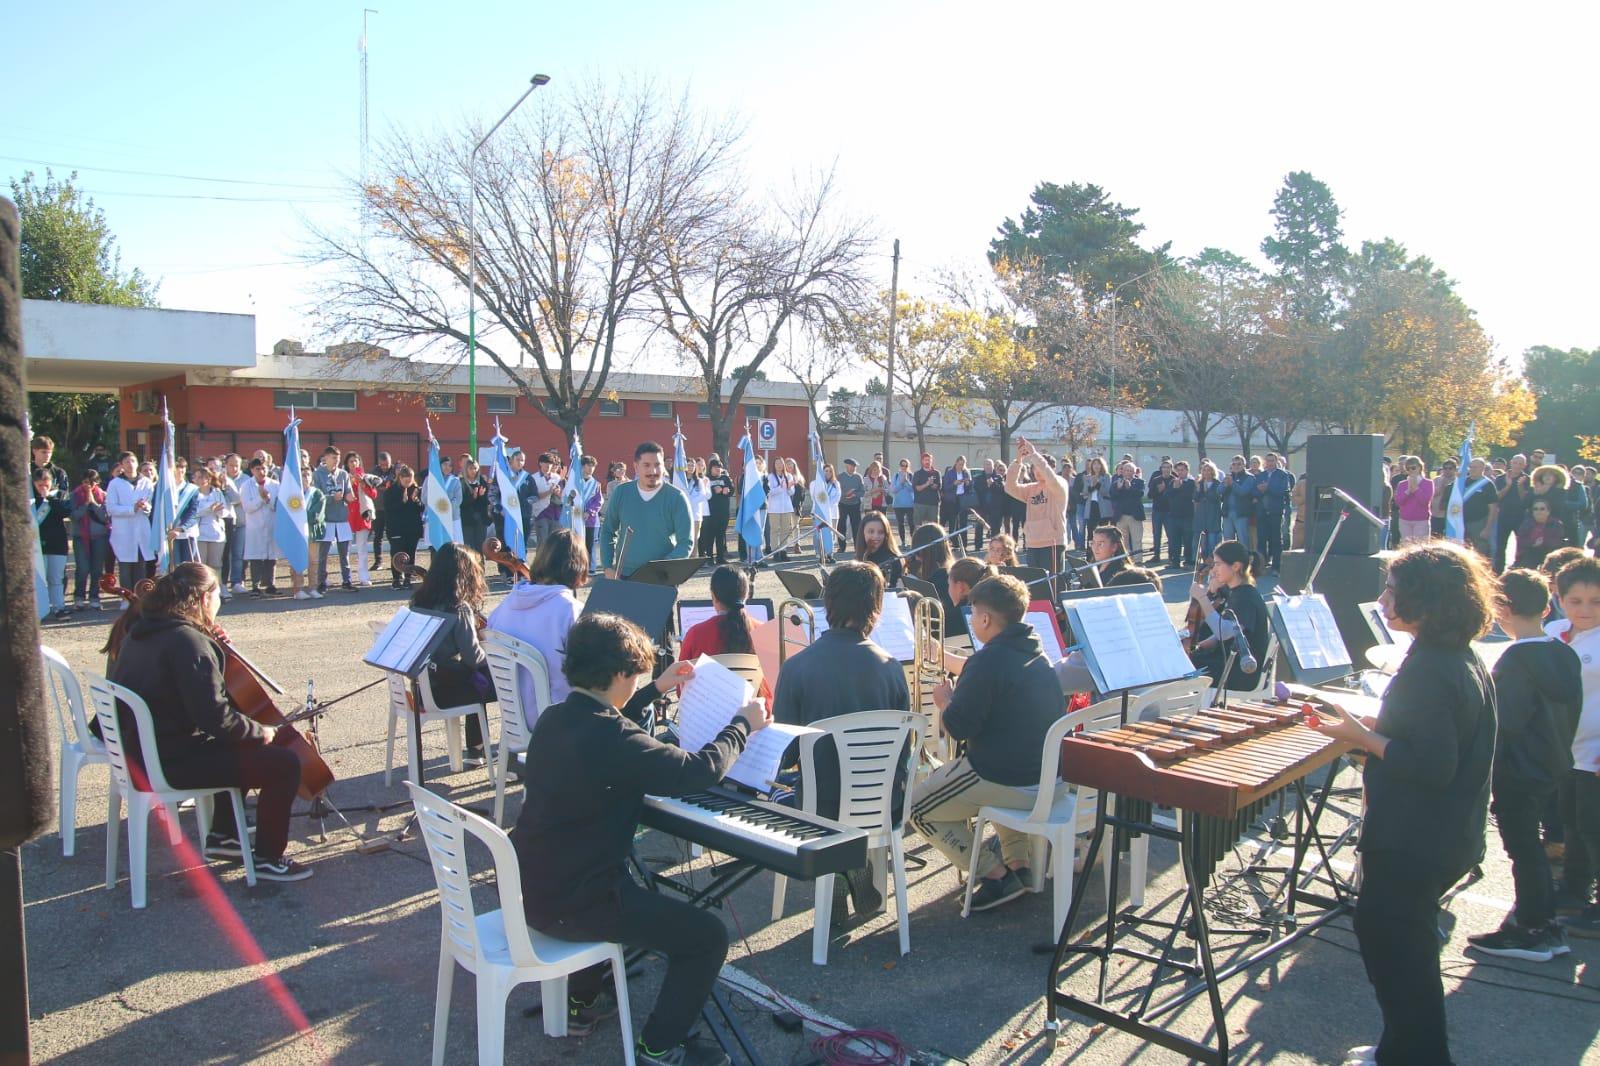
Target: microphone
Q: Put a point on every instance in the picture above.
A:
(1355, 505)
(1247, 660)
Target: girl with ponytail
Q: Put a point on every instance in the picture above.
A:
(731, 630)
(1230, 604)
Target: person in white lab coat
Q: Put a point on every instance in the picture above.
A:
(825, 508)
(256, 499)
(129, 510)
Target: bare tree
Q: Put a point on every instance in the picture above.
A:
(574, 208)
(728, 286)
(815, 361)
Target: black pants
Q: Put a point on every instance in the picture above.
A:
(1180, 540)
(902, 518)
(1397, 924)
(713, 537)
(1269, 537)
(694, 941)
(1517, 814)
(456, 686)
(273, 770)
(232, 545)
(1158, 524)
(1580, 817)
(849, 523)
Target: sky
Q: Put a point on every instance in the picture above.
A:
(1458, 130)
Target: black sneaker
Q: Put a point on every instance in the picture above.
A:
(584, 1018)
(1586, 923)
(992, 892)
(1512, 941)
(473, 757)
(223, 846)
(693, 1052)
(1566, 901)
(281, 869)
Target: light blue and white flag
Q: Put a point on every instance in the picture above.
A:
(289, 517)
(440, 511)
(164, 503)
(680, 473)
(817, 461)
(752, 500)
(1455, 523)
(41, 580)
(510, 505)
(578, 487)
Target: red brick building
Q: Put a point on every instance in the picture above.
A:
(378, 403)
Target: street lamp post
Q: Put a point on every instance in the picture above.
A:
(472, 263)
(1111, 404)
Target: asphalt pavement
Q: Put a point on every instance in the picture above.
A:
(342, 968)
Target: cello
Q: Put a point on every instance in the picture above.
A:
(247, 689)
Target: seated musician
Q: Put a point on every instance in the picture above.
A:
(843, 672)
(875, 544)
(1105, 547)
(541, 610)
(730, 631)
(1230, 603)
(1072, 669)
(458, 671)
(931, 562)
(1005, 702)
(1427, 779)
(168, 657)
(590, 766)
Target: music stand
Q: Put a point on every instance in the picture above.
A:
(1307, 631)
(668, 572)
(647, 606)
(759, 609)
(919, 586)
(800, 584)
(407, 643)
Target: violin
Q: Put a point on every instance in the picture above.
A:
(247, 687)
(1196, 613)
(496, 552)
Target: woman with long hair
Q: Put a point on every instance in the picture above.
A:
(1430, 752)
(825, 494)
(1095, 502)
(1231, 604)
(875, 544)
(541, 610)
(1209, 504)
(930, 560)
(362, 508)
(731, 631)
(904, 497)
(165, 651)
(458, 671)
(1002, 551)
(402, 508)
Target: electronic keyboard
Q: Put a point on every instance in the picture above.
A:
(787, 841)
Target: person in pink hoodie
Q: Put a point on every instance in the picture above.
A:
(541, 611)
(1413, 494)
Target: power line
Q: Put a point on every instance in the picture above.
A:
(178, 177)
(208, 196)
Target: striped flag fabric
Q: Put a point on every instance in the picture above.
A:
(752, 501)
(289, 517)
(41, 580)
(515, 537)
(817, 461)
(577, 487)
(1455, 521)
(164, 502)
(680, 474)
(440, 511)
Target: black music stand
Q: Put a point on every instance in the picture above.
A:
(668, 572)
(800, 584)
(647, 606)
(919, 586)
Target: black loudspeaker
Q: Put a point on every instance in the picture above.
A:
(1352, 462)
(1346, 582)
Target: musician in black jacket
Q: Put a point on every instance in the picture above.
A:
(590, 766)
(1427, 778)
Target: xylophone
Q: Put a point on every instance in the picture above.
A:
(1219, 767)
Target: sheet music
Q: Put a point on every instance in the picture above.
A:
(894, 632)
(402, 641)
(1128, 640)
(1312, 633)
(758, 766)
(1044, 625)
(692, 614)
(708, 703)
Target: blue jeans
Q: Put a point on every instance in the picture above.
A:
(55, 576)
(1236, 527)
(89, 562)
(1180, 540)
(1074, 525)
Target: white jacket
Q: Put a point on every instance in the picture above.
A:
(130, 530)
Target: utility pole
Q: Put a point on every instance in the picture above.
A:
(894, 315)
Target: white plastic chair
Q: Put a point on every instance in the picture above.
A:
(869, 745)
(510, 659)
(1169, 698)
(746, 664)
(500, 954)
(79, 747)
(158, 796)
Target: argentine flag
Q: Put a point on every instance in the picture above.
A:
(441, 514)
(1455, 523)
(577, 487)
(752, 501)
(289, 518)
(817, 460)
(164, 503)
(680, 475)
(510, 506)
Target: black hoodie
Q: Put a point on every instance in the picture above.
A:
(178, 670)
(1538, 694)
(1005, 703)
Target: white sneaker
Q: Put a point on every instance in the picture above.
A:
(302, 595)
(316, 595)
(238, 586)
(364, 584)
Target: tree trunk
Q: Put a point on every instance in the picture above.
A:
(1005, 441)
(922, 440)
(720, 433)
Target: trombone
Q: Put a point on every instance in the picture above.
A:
(928, 672)
(810, 623)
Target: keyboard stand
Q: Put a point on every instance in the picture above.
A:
(719, 1017)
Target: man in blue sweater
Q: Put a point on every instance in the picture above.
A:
(655, 510)
(1005, 703)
